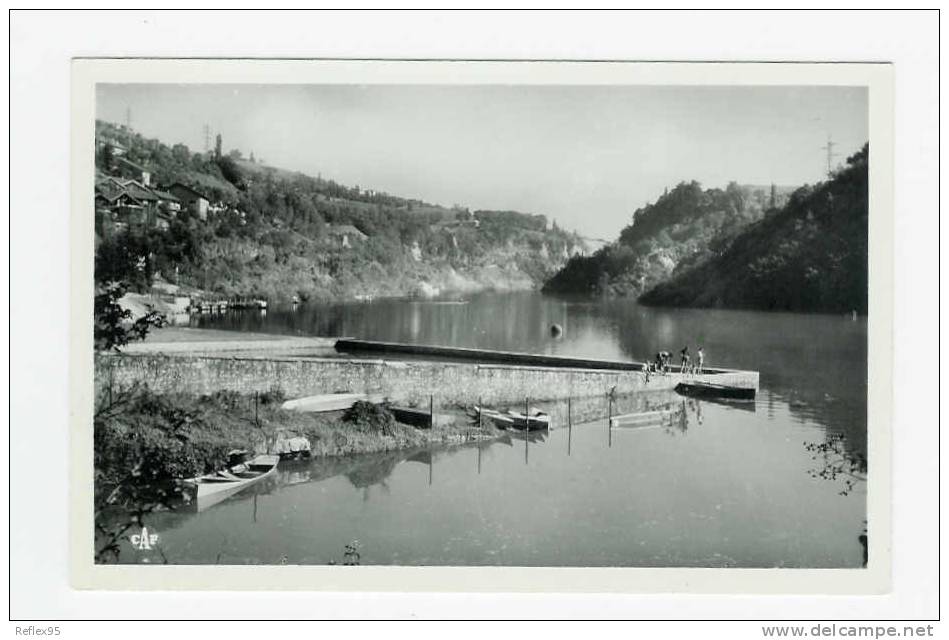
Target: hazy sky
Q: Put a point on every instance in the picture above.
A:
(584, 156)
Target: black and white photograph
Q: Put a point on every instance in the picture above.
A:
(477, 315)
(481, 325)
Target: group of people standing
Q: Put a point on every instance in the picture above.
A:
(663, 361)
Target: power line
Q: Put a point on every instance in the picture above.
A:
(829, 148)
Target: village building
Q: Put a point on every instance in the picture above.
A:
(135, 170)
(191, 198)
(122, 203)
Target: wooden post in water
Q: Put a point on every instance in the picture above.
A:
(527, 426)
(569, 423)
(480, 415)
(431, 411)
(609, 420)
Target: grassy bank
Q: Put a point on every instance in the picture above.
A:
(144, 441)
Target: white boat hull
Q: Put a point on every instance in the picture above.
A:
(328, 402)
(216, 487)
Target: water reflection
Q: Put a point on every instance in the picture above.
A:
(707, 485)
(713, 484)
(816, 363)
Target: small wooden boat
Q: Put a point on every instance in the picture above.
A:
(214, 487)
(698, 389)
(420, 417)
(537, 419)
(500, 420)
(328, 402)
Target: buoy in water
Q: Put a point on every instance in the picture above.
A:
(556, 330)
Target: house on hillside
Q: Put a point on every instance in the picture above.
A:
(129, 204)
(135, 170)
(196, 201)
(168, 202)
(114, 208)
(342, 233)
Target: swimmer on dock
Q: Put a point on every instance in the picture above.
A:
(685, 359)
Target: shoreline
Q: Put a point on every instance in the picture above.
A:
(217, 423)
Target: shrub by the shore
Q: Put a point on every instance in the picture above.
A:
(148, 440)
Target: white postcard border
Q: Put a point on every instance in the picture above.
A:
(875, 579)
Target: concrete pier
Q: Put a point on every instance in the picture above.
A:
(407, 382)
(488, 356)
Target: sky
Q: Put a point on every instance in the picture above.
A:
(585, 156)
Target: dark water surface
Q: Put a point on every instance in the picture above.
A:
(719, 486)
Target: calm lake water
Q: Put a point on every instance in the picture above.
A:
(720, 486)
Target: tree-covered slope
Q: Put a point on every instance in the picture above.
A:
(809, 256)
(683, 227)
(275, 234)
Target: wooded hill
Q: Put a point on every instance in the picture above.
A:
(809, 256)
(684, 227)
(274, 233)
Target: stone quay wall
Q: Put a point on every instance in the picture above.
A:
(408, 382)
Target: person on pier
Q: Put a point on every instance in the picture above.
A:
(685, 359)
(663, 358)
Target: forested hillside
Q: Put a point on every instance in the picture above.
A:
(275, 234)
(809, 256)
(685, 226)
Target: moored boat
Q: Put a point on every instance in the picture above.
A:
(500, 420)
(698, 389)
(212, 488)
(420, 418)
(536, 419)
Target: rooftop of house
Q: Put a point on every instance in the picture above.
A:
(111, 188)
(165, 195)
(180, 186)
(134, 165)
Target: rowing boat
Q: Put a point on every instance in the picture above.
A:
(500, 420)
(698, 389)
(537, 419)
(420, 418)
(212, 488)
